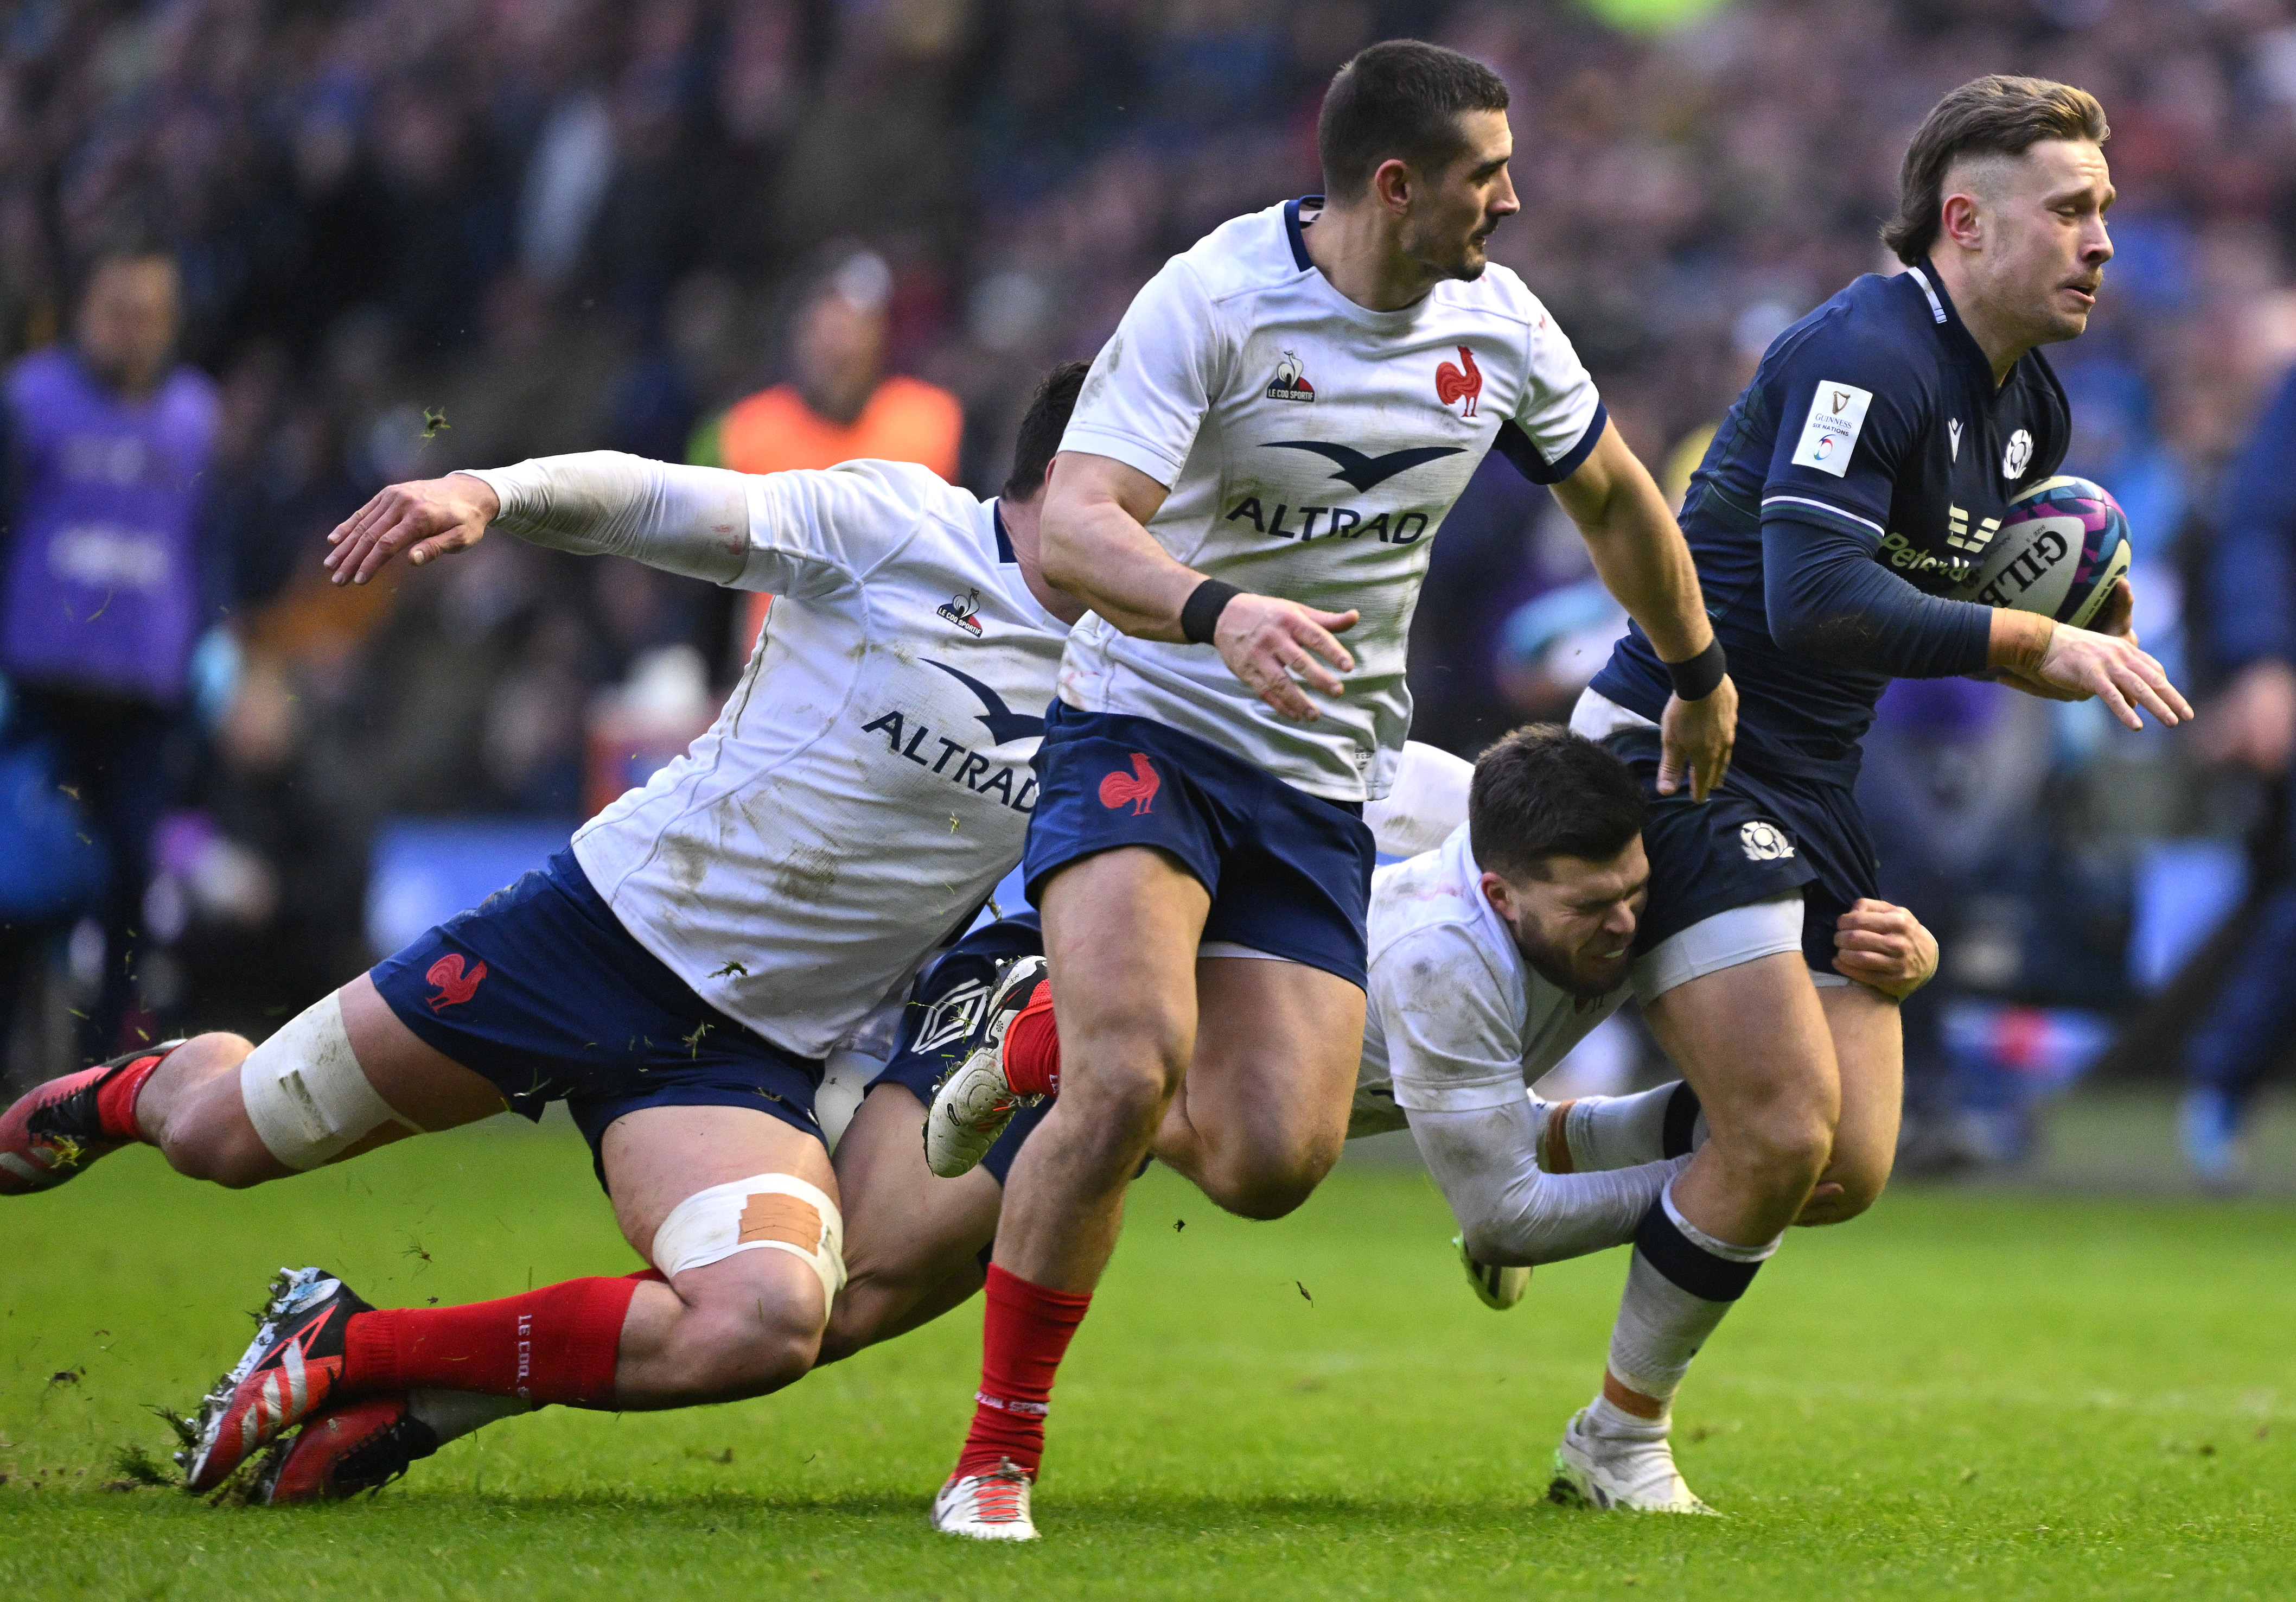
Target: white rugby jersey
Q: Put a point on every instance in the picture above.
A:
(867, 782)
(1456, 1021)
(1312, 448)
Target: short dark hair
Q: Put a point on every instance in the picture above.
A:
(1543, 791)
(1995, 115)
(1041, 428)
(1399, 98)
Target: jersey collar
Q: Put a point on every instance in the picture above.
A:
(1294, 227)
(1401, 320)
(1009, 575)
(1950, 328)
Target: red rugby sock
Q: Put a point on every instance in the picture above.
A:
(115, 1102)
(1032, 1047)
(556, 1345)
(1024, 1335)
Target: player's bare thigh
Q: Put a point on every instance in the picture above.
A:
(913, 1241)
(1753, 1041)
(745, 1324)
(1869, 1055)
(1120, 933)
(1264, 1113)
(196, 1108)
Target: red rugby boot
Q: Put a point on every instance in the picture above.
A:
(290, 1372)
(362, 1445)
(56, 1130)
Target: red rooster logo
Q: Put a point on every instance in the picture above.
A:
(1139, 787)
(454, 987)
(1452, 384)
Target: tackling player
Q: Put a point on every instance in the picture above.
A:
(677, 974)
(1482, 978)
(1260, 457)
(1838, 521)
(1492, 955)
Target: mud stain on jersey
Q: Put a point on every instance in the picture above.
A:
(686, 859)
(808, 876)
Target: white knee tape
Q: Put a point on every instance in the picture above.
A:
(306, 1093)
(775, 1212)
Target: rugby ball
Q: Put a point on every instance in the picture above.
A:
(2058, 552)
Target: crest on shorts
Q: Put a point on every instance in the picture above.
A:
(1764, 842)
(951, 1018)
(1289, 382)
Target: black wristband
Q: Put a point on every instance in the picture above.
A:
(1200, 613)
(1695, 679)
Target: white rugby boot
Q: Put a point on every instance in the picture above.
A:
(1611, 1474)
(975, 1102)
(1496, 1287)
(986, 1506)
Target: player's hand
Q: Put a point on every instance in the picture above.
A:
(1274, 645)
(2025, 686)
(2115, 671)
(2117, 616)
(2253, 722)
(425, 518)
(1884, 946)
(1695, 737)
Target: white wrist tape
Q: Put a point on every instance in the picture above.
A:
(306, 1093)
(766, 1213)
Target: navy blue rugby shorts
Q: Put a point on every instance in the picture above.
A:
(1289, 872)
(540, 990)
(1755, 837)
(943, 1008)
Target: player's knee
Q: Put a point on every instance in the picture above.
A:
(1123, 1094)
(209, 1137)
(1133, 1046)
(736, 1345)
(1263, 1185)
(1787, 1148)
(1861, 1186)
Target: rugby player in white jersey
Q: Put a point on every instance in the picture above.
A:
(1494, 950)
(676, 976)
(1259, 461)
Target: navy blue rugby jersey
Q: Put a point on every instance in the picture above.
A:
(1877, 417)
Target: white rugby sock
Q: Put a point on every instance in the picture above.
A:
(1604, 1132)
(453, 1414)
(1679, 1283)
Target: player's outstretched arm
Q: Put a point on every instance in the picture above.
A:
(694, 520)
(1097, 548)
(2063, 663)
(1645, 562)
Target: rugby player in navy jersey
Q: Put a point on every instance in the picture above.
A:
(1837, 521)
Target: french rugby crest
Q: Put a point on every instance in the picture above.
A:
(1289, 382)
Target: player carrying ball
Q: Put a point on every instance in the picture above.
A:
(1848, 496)
(1258, 462)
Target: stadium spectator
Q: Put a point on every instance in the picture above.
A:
(840, 403)
(376, 202)
(2252, 724)
(108, 584)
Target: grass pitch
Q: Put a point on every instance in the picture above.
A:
(1979, 1396)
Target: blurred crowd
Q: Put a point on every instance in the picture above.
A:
(399, 236)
